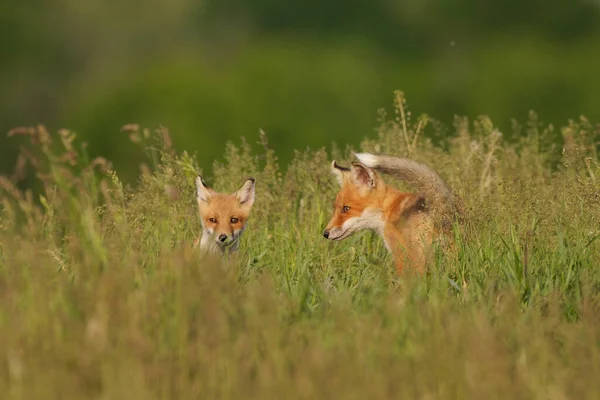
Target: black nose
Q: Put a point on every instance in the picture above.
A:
(222, 237)
(326, 234)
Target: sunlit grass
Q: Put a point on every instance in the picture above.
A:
(103, 296)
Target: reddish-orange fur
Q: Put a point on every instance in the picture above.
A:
(402, 219)
(221, 208)
(223, 215)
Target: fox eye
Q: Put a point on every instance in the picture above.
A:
(345, 209)
(234, 220)
(213, 220)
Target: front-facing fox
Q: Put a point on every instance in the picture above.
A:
(223, 216)
(408, 222)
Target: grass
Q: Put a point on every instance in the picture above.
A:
(102, 295)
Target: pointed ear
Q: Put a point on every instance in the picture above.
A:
(339, 172)
(203, 192)
(245, 194)
(363, 175)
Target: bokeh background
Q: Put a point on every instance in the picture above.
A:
(307, 72)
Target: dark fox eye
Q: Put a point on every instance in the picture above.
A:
(345, 209)
(213, 220)
(234, 220)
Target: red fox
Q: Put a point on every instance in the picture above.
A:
(407, 222)
(223, 216)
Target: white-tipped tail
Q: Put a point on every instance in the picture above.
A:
(368, 159)
(418, 175)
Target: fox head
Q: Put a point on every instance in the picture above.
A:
(359, 203)
(223, 216)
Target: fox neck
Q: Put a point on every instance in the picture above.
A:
(389, 203)
(389, 207)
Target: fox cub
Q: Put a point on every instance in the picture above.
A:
(408, 222)
(223, 216)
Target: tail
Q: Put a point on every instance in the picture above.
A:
(437, 194)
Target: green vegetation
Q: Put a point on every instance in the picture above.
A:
(102, 295)
(308, 72)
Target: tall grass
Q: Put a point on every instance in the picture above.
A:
(103, 296)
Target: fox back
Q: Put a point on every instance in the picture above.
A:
(223, 216)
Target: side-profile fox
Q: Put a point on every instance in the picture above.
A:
(408, 222)
(223, 216)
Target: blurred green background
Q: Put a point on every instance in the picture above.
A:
(308, 72)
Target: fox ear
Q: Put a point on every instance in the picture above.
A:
(339, 172)
(203, 192)
(245, 194)
(363, 175)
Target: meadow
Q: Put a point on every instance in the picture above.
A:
(102, 295)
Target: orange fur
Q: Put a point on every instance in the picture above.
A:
(406, 221)
(223, 216)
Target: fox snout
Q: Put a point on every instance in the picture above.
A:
(224, 239)
(337, 232)
(333, 231)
